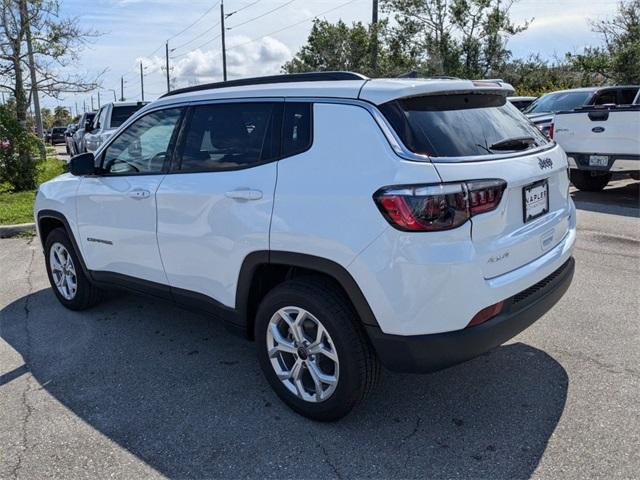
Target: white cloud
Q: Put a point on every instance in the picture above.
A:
(244, 58)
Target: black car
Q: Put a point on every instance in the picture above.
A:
(58, 135)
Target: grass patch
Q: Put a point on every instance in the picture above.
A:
(18, 207)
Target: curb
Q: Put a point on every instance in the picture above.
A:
(7, 231)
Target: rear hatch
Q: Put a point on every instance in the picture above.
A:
(479, 136)
(599, 130)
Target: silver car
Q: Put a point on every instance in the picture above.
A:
(107, 121)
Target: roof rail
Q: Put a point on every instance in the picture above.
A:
(414, 74)
(286, 78)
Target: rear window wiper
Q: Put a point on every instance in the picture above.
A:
(515, 143)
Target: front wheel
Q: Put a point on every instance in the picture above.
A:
(68, 281)
(589, 181)
(312, 350)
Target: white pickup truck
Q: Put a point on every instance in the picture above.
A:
(599, 141)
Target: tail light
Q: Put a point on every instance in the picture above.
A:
(551, 130)
(424, 208)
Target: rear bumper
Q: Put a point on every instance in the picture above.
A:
(429, 353)
(617, 162)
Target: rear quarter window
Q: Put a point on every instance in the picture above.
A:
(459, 125)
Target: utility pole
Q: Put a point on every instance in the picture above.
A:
(92, 103)
(141, 82)
(224, 49)
(84, 105)
(167, 65)
(76, 109)
(32, 69)
(374, 40)
(98, 99)
(3, 102)
(122, 89)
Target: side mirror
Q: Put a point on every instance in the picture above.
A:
(83, 164)
(88, 126)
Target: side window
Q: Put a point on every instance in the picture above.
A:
(230, 136)
(297, 127)
(143, 146)
(100, 118)
(606, 97)
(627, 95)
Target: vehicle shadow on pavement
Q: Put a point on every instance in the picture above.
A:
(618, 199)
(186, 397)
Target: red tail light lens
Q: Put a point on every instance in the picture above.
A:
(551, 131)
(444, 206)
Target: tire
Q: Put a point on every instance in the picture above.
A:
(86, 294)
(586, 180)
(357, 369)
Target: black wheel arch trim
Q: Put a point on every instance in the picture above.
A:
(301, 260)
(42, 214)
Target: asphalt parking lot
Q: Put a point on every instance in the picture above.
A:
(138, 388)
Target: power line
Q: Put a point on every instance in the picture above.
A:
(243, 8)
(197, 48)
(197, 36)
(192, 24)
(262, 15)
(293, 24)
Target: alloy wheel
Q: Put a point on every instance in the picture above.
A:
(63, 271)
(302, 354)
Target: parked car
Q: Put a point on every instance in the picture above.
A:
(328, 217)
(600, 142)
(541, 111)
(521, 102)
(77, 143)
(47, 135)
(68, 138)
(107, 121)
(58, 135)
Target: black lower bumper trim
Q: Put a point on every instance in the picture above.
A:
(429, 353)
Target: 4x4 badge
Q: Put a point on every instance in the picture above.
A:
(545, 163)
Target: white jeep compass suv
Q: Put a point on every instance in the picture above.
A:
(341, 222)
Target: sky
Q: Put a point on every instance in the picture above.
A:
(260, 37)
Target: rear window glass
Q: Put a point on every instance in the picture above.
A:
(121, 114)
(556, 102)
(461, 125)
(296, 128)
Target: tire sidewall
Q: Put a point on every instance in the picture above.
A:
(350, 381)
(79, 300)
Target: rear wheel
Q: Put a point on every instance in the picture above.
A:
(312, 350)
(67, 279)
(589, 181)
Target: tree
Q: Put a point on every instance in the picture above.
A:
(36, 43)
(47, 118)
(61, 116)
(55, 44)
(618, 60)
(465, 38)
(334, 47)
(18, 152)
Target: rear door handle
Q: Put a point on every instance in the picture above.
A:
(139, 194)
(244, 194)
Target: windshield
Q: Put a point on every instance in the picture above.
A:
(122, 113)
(461, 125)
(556, 102)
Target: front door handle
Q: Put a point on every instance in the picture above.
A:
(139, 194)
(244, 194)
